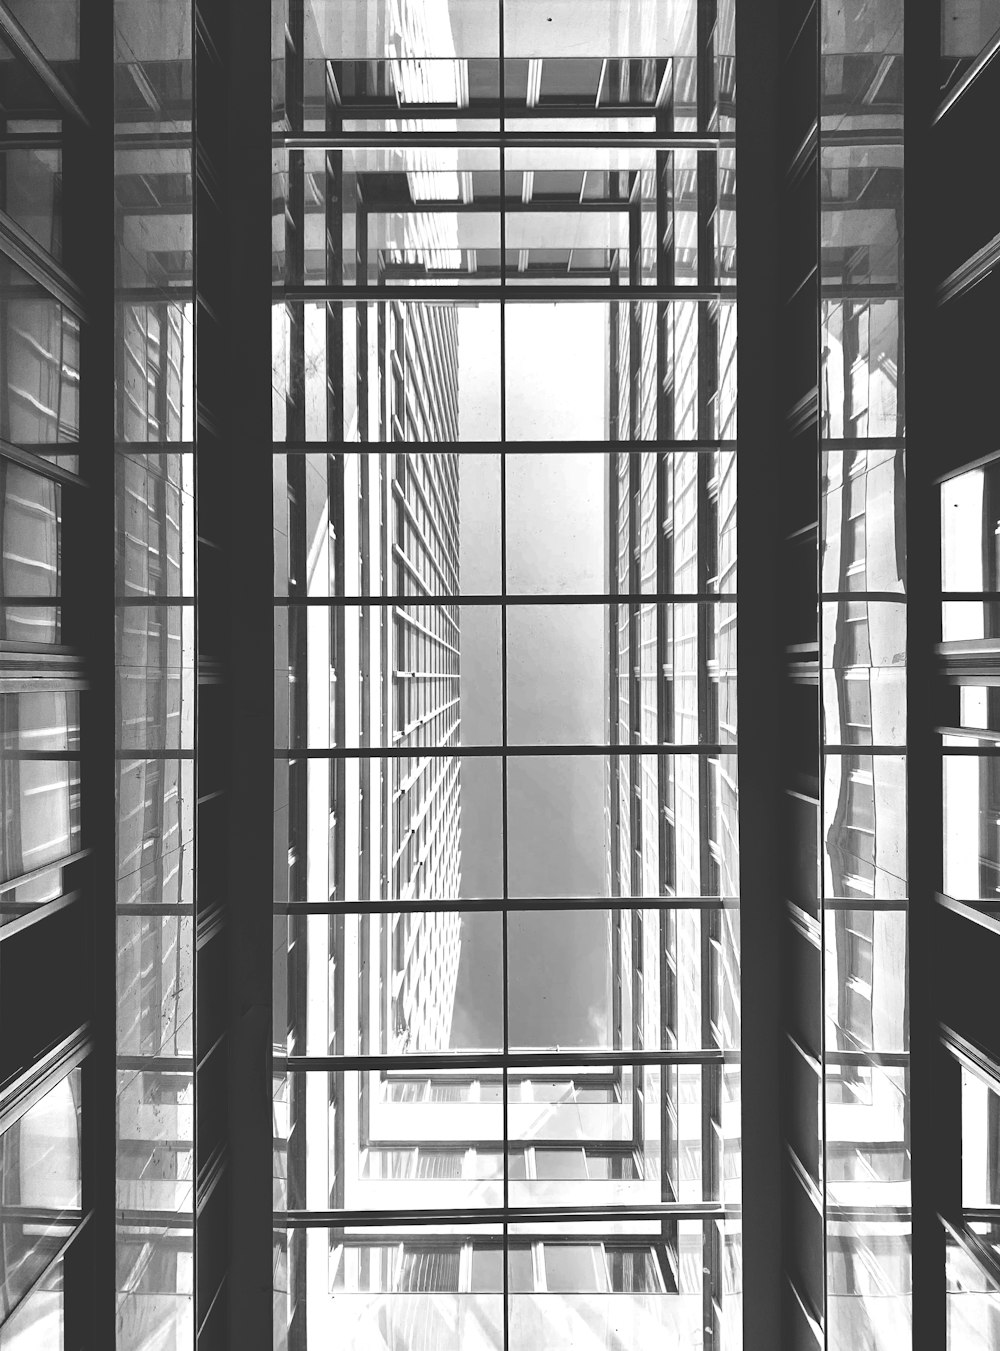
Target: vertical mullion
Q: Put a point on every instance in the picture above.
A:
(935, 1103)
(89, 534)
(759, 665)
(505, 936)
(817, 253)
(247, 447)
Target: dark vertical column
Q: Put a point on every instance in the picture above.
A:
(758, 661)
(935, 1125)
(247, 446)
(89, 544)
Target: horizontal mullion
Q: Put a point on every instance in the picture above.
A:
(155, 447)
(24, 1090)
(861, 749)
(859, 291)
(497, 598)
(896, 597)
(126, 909)
(968, 78)
(981, 462)
(56, 757)
(973, 1244)
(17, 38)
(499, 138)
(12, 883)
(882, 905)
(429, 1061)
(510, 750)
(972, 733)
(27, 917)
(976, 912)
(499, 906)
(152, 752)
(38, 681)
(876, 1059)
(847, 1214)
(973, 1056)
(152, 601)
(162, 1064)
(22, 250)
(494, 447)
(29, 459)
(495, 1215)
(506, 292)
(862, 442)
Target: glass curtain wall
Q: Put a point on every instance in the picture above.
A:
(506, 927)
(49, 803)
(169, 687)
(847, 1123)
(967, 917)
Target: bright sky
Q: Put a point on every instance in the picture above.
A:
(559, 964)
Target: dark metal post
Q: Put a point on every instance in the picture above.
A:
(759, 662)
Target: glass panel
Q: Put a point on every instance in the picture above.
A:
(441, 538)
(869, 1275)
(401, 371)
(972, 826)
(860, 344)
(155, 543)
(155, 1139)
(388, 984)
(867, 1145)
(31, 193)
(863, 521)
(155, 1284)
(30, 557)
(866, 970)
(966, 27)
(40, 803)
(980, 1131)
(646, 27)
(435, 820)
(441, 685)
(40, 371)
(864, 826)
(613, 1287)
(973, 1303)
(864, 673)
(40, 1172)
(862, 199)
(403, 1286)
(400, 216)
(970, 515)
(574, 831)
(38, 1323)
(54, 28)
(567, 363)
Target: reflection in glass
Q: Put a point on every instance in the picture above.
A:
(863, 521)
(30, 555)
(40, 1204)
(869, 1284)
(973, 1302)
(39, 378)
(865, 827)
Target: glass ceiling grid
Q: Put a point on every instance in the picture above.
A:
(506, 943)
